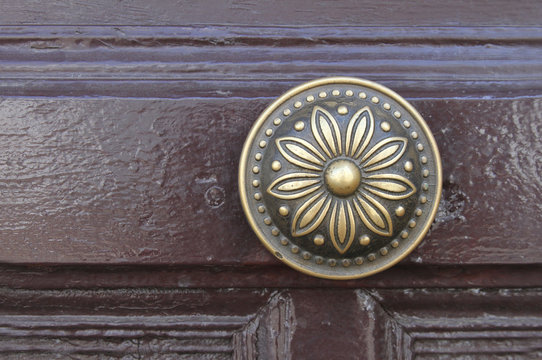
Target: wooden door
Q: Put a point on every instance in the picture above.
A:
(121, 232)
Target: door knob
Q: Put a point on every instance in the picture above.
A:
(340, 178)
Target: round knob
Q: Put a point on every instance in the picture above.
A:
(340, 178)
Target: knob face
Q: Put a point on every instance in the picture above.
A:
(340, 178)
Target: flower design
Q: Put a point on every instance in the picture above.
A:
(338, 177)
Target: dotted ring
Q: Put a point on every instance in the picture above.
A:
(286, 111)
(276, 167)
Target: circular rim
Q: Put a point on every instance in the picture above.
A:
(327, 81)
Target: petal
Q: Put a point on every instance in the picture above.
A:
(389, 186)
(342, 226)
(310, 215)
(326, 131)
(373, 215)
(384, 154)
(301, 153)
(295, 185)
(359, 132)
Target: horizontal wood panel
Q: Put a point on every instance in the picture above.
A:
(263, 324)
(237, 61)
(473, 324)
(155, 181)
(298, 12)
(197, 324)
(146, 173)
(275, 276)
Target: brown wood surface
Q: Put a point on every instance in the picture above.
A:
(280, 324)
(121, 232)
(283, 13)
(155, 181)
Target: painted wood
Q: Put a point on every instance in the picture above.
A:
(121, 235)
(282, 13)
(265, 324)
(77, 175)
(187, 62)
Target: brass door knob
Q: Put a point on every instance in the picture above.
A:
(340, 178)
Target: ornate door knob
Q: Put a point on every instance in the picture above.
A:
(340, 178)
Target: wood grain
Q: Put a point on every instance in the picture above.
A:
(186, 62)
(476, 323)
(121, 234)
(265, 324)
(291, 13)
(199, 324)
(80, 174)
